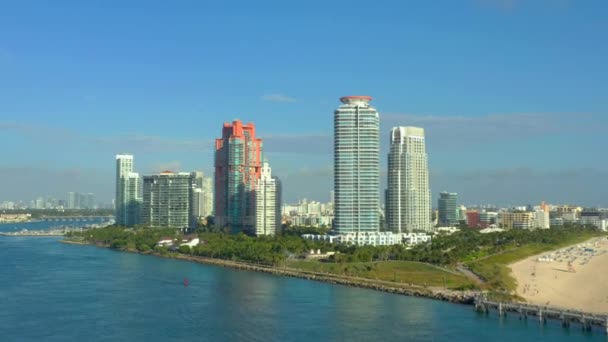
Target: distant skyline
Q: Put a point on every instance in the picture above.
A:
(511, 94)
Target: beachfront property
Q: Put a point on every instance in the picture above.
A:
(408, 196)
(356, 166)
(167, 201)
(373, 238)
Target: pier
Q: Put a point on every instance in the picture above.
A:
(543, 313)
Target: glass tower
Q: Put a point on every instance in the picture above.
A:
(237, 168)
(448, 213)
(128, 191)
(408, 198)
(356, 166)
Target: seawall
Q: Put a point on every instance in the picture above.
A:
(458, 297)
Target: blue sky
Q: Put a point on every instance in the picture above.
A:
(513, 94)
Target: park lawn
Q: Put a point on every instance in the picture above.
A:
(496, 271)
(405, 272)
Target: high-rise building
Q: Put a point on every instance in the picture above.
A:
(267, 203)
(208, 198)
(203, 194)
(408, 204)
(168, 201)
(356, 166)
(542, 219)
(448, 212)
(197, 179)
(39, 203)
(128, 191)
(237, 169)
(72, 200)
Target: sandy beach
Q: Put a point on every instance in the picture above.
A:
(575, 277)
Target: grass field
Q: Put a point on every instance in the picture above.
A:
(394, 271)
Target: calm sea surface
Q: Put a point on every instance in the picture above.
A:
(50, 291)
(44, 225)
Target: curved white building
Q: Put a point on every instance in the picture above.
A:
(356, 166)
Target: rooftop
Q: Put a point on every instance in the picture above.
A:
(355, 99)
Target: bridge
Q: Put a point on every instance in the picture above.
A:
(77, 218)
(543, 313)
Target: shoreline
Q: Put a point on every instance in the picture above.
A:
(442, 294)
(571, 277)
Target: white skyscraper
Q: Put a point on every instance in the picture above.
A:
(202, 195)
(128, 191)
(208, 196)
(267, 203)
(408, 195)
(356, 166)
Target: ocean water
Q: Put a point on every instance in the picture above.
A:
(51, 291)
(44, 225)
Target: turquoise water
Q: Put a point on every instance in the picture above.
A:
(51, 291)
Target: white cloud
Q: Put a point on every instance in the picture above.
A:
(277, 98)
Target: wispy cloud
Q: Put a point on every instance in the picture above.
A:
(321, 143)
(123, 141)
(277, 98)
(153, 143)
(46, 179)
(462, 130)
(517, 185)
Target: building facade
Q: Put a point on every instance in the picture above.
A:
(168, 201)
(356, 166)
(518, 220)
(542, 219)
(237, 170)
(267, 203)
(128, 192)
(202, 195)
(408, 206)
(448, 211)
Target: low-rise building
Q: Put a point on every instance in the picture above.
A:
(373, 238)
(518, 220)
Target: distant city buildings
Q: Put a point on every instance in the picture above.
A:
(267, 203)
(238, 166)
(128, 192)
(356, 166)
(408, 206)
(167, 201)
(448, 211)
(309, 213)
(81, 201)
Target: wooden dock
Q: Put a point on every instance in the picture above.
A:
(543, 313)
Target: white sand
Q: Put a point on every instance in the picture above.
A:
(584, 286)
